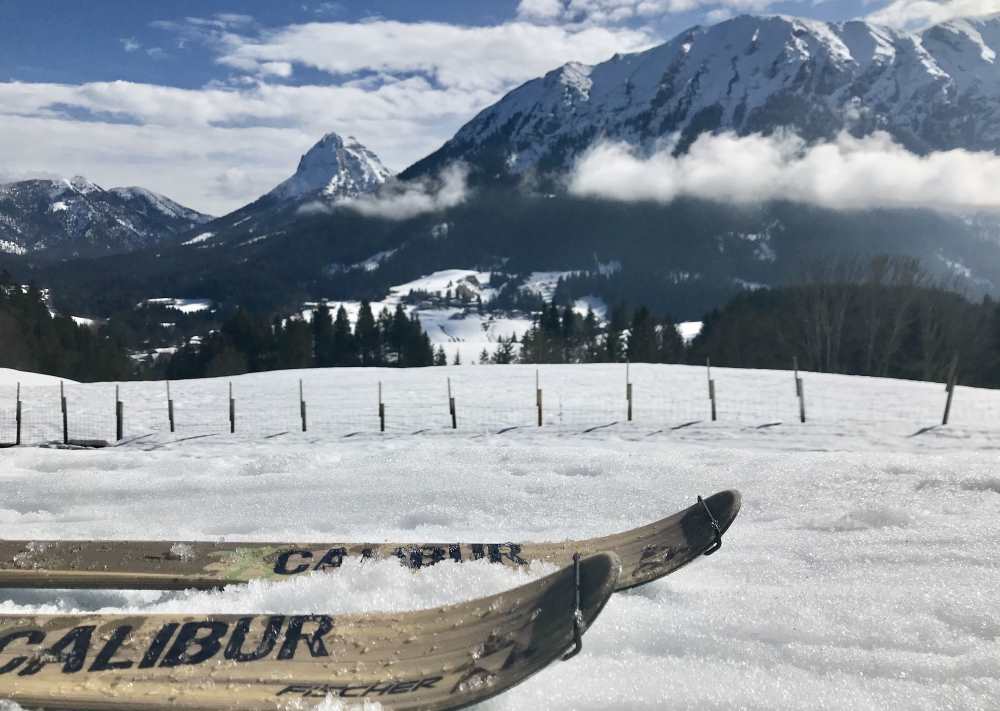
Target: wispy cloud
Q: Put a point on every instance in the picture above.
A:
(491, 59)
(130, 44)
(919, 14)
(401, 201)
(616, 12)
(848, 173)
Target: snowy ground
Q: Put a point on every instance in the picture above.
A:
(862, 573)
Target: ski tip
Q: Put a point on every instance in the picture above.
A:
(725, 505)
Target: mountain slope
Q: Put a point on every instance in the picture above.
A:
(77, 217)
(936, 90)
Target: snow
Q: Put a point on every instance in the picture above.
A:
(198, 239)
(591, 303)
(82, 321)
(861, 573)
(10, 378)
(11, 247)
(544, 283)
(59, 206)
(690, 330)
(187, 306)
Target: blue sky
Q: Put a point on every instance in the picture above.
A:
(211, 103)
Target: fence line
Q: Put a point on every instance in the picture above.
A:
(494, 399)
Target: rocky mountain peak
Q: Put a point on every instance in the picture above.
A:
(334, 168)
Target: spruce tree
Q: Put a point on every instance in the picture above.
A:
(642, 346)
(322, 327)
(366, 335)
(344, 348)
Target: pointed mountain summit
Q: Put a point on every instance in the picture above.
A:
(332, 169)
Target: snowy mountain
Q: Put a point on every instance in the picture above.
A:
(75, 217)
(939, 89)
(334, 169)
(934, 90)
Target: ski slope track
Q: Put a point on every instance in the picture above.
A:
(861, 573)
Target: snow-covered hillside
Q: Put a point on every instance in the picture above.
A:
(939, 89)
(860, 574)
(78, 217)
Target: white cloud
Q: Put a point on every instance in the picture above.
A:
(129, 44)
(614, 12)
(405, 200)
(919, 14)
(849, 173)
(491, 59)
(182, 140)
(405, 89)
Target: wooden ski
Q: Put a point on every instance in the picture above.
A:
(647, 553)
(444, 658)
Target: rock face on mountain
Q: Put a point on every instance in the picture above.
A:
(334, 169)
(77, 217)
(936, 90)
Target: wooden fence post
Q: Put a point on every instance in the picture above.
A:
(451, 407)
(119, 416)
(381, 409)
(628, 389)
(232, 410)
(800, 390)
(952, 379)
(302, 407)
(711, 387)
(538, 396)
(17, 415)
(65, 415)
(170, 407)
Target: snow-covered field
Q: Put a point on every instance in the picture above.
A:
(862, 572)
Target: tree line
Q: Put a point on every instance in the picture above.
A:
(248, 343)
(34, 339)
(561, 335)
(884, 317)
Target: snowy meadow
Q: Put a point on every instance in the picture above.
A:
(861, 574)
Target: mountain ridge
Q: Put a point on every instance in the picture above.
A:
(934, 90)
(74, 217)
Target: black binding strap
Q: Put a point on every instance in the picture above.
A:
(577, 614)
(717, 543)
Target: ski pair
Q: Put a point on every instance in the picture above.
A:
(444, 658)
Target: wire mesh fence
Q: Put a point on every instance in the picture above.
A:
(344, 402)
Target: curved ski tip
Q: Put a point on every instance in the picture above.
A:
(725, 505)
(598, 580)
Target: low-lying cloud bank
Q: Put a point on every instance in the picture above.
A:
(848, 173)
(401, 201)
